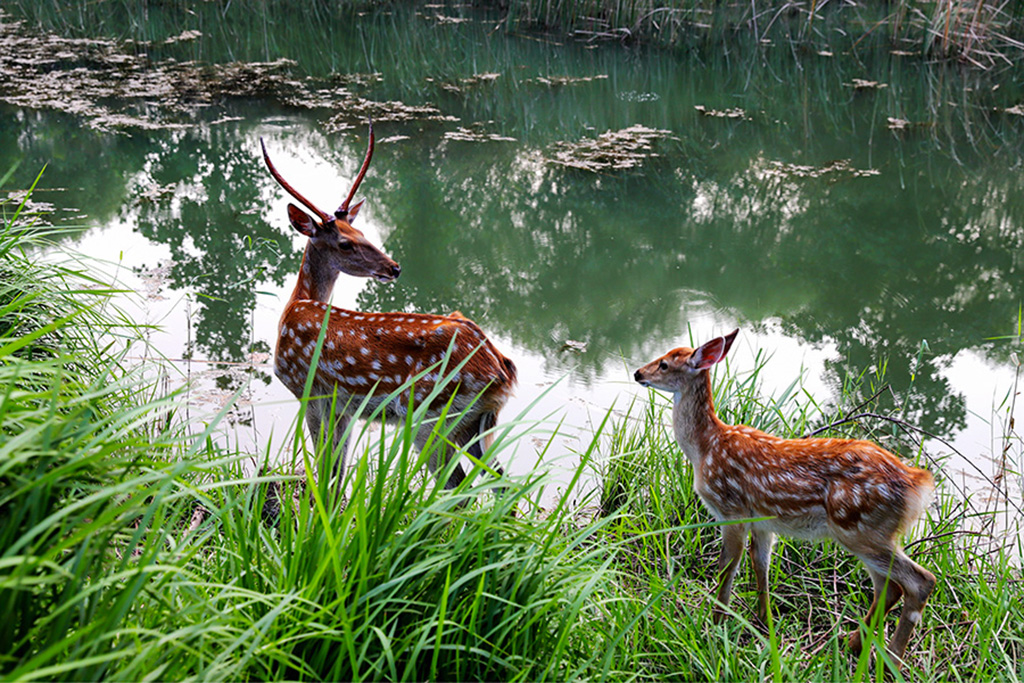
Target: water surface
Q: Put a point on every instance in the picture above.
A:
(849, 230)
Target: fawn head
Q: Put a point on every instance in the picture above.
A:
(679, 367)
(338, 245)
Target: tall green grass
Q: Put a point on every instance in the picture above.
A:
(132, 550)
(85, 462)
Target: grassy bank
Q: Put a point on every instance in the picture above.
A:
(130, 549)
(979, 32)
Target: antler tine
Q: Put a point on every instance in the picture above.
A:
(288, 188)
(343, 209)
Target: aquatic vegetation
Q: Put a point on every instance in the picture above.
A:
(131, 547)
(832, 170)
(477, 132)
(734, 113)
(561, 81)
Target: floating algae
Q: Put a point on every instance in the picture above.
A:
(610, 151)
(476, 133)
(112, 89)
(562, 81)
(734, 113)
(833, 170)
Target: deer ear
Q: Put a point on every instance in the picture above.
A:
(301, 221)
(712, 352)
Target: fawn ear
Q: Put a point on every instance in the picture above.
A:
(712, 352)
(301, 221)
(354, 211)
(729, 339)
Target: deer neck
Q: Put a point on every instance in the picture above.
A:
(693, 418)
(316, 277)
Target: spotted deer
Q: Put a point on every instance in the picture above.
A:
(367, 357)
(852, 491)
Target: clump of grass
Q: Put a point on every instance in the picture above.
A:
(82, 466)
(396, 582)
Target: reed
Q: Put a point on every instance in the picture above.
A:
(984, 33)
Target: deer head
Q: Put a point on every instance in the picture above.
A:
(336, 245)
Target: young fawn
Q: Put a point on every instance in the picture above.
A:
(854, 492)
(367, 357)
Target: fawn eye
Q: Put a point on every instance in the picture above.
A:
(663, 365)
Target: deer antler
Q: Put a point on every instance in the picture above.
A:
(342, 211)
(291, 190)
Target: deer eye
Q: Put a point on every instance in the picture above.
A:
(663, 365)
(345, 245)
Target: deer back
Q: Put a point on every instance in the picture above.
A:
(373, 354)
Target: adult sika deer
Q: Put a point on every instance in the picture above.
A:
(854, 492)
(367, 357)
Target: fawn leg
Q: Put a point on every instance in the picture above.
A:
(734, 537)
(916, 584)
(760, 558)
(884, 587)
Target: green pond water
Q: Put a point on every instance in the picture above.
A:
(590, 206)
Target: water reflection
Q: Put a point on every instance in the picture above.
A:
(211, 219)
(927, 250)
(546, 255)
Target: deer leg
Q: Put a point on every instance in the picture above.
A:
(457, 476)
(314, 419)
(442, 455)
(340, 451)
(734, 537)
(331, 458)
(760, 558)
(483, 441)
